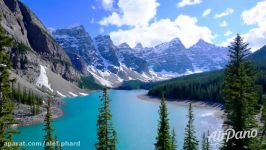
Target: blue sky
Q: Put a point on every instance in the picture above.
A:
(154, 21)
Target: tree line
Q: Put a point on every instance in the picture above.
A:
(27, 96)
(209, 85)
(206, 86)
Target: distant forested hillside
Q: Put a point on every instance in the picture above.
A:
(202, 86)
(207, 86)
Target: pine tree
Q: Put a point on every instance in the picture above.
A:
(173, 140)
(24, 95)
(239, 94)
(19, 94)
(12, 87)
(58, 145)
(48, 138)
(107, 138)
(6, 105)
(205, 142)
(163, 139)
(190, 142)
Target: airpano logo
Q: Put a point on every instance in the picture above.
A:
(219, 136)
(228, 134)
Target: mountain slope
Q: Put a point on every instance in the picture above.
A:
(206, 57)
(173, 58)
(208, 83)
(259, 56)
(167, 57)
(110, 65)
(34, 46)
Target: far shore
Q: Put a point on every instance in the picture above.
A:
(24, 119)
(216, 107)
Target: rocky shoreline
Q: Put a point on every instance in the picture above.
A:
(216, 107)
(24, 117)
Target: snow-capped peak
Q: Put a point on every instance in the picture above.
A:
(124, 45)
(103, 37)
(176, 41)
(201, 44)
(110, 64)
(138, 46)
(76, 27)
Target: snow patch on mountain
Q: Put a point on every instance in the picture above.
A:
(110, 65)
(83, 94)
(109, 79)
(59, 93)
(105, 78)
(42, 80)
(71, 93)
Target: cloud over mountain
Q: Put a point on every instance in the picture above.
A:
(142, 26)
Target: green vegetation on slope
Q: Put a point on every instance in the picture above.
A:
(88, 82)
(136, 84)
(6, 105)
(207, 85)
(203, 86)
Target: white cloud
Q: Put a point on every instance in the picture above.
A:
(206, 12)
(137, 15)
(93, 7)
(107, 4)
(132, 13)
(188, 2)
(227, 41)
(223, 24)
(183, 27)
(255, 15)
(227, 12)
(228, 33)
(256, 37)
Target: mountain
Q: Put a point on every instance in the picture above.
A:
(167, 58)
(76, 42)
(259, 56)
(126, 56)
(109, 64)
(172, 57)
(206, 57)
(206, 85)
(37, 59)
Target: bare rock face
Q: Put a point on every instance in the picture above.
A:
(79, 46)
(23, 25)
(12, 20)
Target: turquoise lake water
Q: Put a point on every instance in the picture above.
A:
(135, 121)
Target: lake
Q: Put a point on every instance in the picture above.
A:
(135, 121)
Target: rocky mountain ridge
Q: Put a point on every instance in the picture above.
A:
(34, 47)
(111, 64)
(72, 52)
(119, 63)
